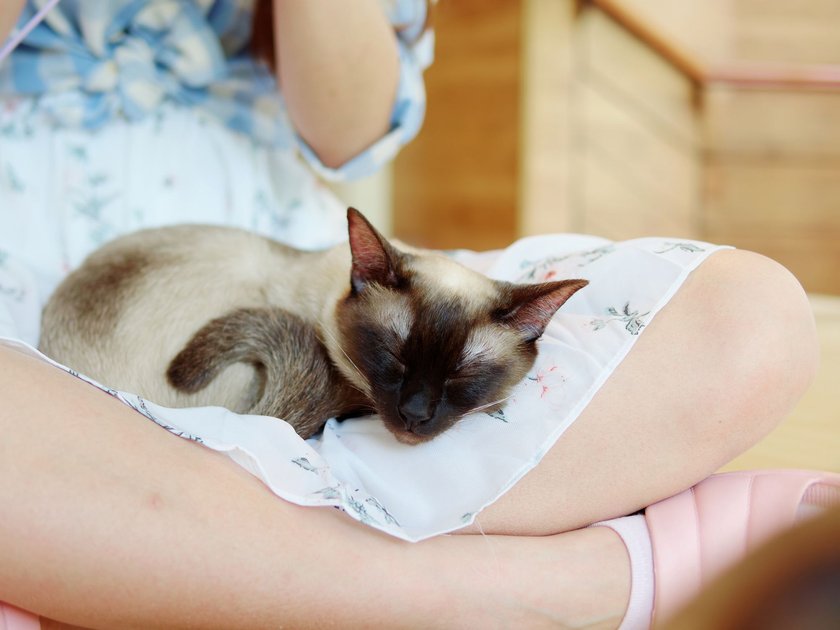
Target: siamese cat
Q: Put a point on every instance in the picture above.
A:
(200, 315)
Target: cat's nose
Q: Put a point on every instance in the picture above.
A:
(416, 411)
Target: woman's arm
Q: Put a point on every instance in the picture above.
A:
(9, 13)
(338, 65)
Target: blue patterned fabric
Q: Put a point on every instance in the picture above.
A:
(89, 62)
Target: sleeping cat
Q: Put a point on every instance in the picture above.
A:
(199, 315)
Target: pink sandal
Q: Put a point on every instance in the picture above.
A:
(701, 532)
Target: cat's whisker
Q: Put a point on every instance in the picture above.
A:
(355, 367)
(485, 406)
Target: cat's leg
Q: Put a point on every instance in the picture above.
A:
(718, 368)
(109, 521)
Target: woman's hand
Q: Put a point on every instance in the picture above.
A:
(338, 65)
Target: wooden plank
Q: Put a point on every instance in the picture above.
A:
(714, 33)
(456, 185)
(616, 209)
(803, 32)
(545, 202)
(787, 210)
(769, 43)
(788, 123)
(635, 181)
(638, 75)
(773, 196)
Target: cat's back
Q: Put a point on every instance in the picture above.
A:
(166, 248)
(164, 269)
(134, 303)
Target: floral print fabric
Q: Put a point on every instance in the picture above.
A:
(92, 62)
(64, 191)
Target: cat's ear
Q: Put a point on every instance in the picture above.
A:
(374, 258)
(533, 305)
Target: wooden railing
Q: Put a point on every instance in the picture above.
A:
(704, 72)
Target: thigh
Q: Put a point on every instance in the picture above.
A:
(110, 521)
(717, 369)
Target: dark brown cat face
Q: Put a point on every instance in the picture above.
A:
(431, 341)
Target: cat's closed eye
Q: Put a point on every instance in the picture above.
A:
(460, 377)
(472, 383)
(393, 368)
(473, 366)
(395, 357)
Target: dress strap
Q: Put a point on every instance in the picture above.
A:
(18, 36)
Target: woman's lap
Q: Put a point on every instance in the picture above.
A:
(699, 386)
(106, 536)
(356, 466)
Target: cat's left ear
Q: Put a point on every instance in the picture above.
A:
(533, 305)
(374, 258)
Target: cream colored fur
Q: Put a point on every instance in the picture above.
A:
(215, 271)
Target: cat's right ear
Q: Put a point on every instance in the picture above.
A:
(374, 258)
(533, 305)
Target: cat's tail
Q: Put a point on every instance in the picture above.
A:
(299, 383)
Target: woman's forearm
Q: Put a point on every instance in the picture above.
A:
(338, 66)
(9, 13)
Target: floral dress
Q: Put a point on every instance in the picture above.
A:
(120, 115)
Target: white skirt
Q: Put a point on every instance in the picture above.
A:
(52, 215)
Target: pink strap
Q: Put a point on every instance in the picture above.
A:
(12, 618)
(18, 36)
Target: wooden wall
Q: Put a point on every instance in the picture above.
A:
(772, 178)
(456, 185)
(624, 118)
(634, 150)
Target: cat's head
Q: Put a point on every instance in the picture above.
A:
(430, 341)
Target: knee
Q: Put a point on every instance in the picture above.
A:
(759, 317)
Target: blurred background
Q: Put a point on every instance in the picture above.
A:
(715, 120)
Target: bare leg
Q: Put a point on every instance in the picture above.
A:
(109, 521)
(115, 522)
(720, 366)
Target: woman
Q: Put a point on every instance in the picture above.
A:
(109, 521)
